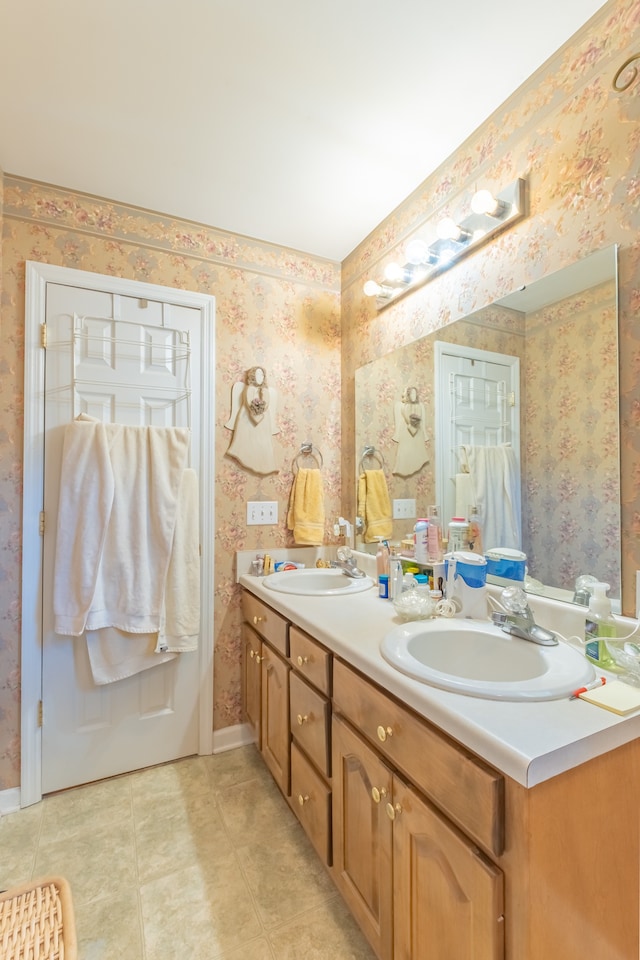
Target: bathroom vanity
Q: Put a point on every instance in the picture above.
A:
(455, 828)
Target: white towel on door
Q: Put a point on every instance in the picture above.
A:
(114, 654)
(116, 519)
(465, 496)
(495, 474)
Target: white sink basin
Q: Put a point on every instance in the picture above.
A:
(316, 582)
(479, 660)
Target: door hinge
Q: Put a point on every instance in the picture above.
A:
(41, 526)
(40, 714)
(43, 335)
(511, 399)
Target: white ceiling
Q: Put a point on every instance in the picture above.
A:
(300, 123)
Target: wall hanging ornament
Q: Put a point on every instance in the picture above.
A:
(410, 434)
(253, 421)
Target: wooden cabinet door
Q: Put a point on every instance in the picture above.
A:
(252, 680)
(275, 717)
(448, 898)
(362, 835)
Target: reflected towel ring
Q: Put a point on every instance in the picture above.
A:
(308, 450)
(371, 452)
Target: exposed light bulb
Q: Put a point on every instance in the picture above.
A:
(484, 202)
(417, 252)
(372, 289)
(448, 229)
(394, 273)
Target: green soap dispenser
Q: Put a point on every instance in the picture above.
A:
(599, 623)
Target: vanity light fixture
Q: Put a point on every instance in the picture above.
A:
(490, 215)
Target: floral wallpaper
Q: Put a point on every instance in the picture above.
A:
(572, 520)
(306, 321)
(274, 307)
(577, 142)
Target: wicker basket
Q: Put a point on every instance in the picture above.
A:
(36, 921)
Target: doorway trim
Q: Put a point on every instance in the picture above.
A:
(38, 275)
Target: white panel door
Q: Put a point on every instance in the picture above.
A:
(122, 360)
(477, 403)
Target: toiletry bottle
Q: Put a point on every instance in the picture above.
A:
(382, 558)
(458, 534)
(475, 531)
(434, 535)
(395, 575)
(421, 529)
(383, 586)
(599, 624)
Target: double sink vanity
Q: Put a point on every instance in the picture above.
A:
(475, 825)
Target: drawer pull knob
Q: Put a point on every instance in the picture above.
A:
(302, 799)
(259, 659)
(384, 732)
(257, 619)
(393, 809)
(252, 654)
(302, 719)
(378, 795)
(302, 661)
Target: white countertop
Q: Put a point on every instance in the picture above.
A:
(528, 741)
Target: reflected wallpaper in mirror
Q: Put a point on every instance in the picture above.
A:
(564, 330)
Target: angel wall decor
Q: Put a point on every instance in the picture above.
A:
(410, 434)
(253, 421)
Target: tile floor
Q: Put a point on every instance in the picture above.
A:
(199, 860)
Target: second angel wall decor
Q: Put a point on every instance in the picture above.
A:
(253, 421)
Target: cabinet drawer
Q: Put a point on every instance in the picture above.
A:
(310, 659)
(310, 722)
(266, 622)
(311, 800)
(466, 789)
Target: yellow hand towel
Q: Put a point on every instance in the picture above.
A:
(374, 506)
(306, 508)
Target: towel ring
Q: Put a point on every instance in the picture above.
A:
(371, 452)
(308, 450)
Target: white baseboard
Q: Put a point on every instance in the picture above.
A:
(9, 801)
(231, 737)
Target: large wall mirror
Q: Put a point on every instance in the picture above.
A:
(544, 361)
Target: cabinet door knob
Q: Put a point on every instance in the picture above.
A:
(302, 719)
(259, 659)
(302, 661)
(378, 795)
(393, 809)
(302, 799)
(384, 732)
(257, 619)
(252, 654)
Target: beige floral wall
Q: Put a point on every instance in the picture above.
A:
(572, 524)
(274, 307)
(577, 142)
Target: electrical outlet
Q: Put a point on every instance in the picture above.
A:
(404, 509)
(262, 511)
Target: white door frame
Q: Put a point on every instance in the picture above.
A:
(37, 277)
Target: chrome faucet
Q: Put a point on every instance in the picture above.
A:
(346, 562)
(517, 619)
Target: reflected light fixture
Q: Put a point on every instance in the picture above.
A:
(490, 215)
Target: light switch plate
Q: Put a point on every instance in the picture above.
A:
(404, 509)
(262, 511)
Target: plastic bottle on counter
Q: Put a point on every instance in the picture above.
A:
(475, 531)
(599, 624)
(395, 575)
(458, 534)
(421, 553)
(383, 586)
(434, 535)
(382, 558)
